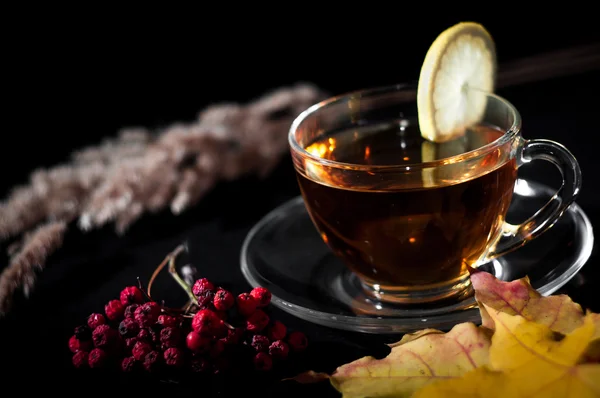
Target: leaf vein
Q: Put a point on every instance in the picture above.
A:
(508, 304)
(560, 304)
(422, 361)
(466, 352)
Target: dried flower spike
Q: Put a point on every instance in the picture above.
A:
(139, 172)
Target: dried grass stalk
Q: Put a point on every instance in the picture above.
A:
(139, 171)
(24, 264)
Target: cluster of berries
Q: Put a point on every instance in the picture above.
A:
(139, 334)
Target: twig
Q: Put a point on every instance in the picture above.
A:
(178, 279)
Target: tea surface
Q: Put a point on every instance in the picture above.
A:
(408, 238)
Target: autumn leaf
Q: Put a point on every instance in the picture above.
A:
(518, 297)
(593, 351)
(457, 361)
(559, 312)
(408, 337)
(413, 362)
(527, 359)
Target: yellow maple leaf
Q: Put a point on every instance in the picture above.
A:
(528, 359)
(560, 313)
(418, 359)
(592, 353)
(438, 357)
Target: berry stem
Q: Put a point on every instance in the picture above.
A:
(156, 272)
(188, 307)
(143, 290)
(170, 260)
(178, 279)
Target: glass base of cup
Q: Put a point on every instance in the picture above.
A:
(455, 290)
(368, 300)
(284, 253)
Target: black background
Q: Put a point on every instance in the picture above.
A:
(74, 76)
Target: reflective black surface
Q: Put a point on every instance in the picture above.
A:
(93, 267)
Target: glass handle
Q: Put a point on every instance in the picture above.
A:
(515, 236)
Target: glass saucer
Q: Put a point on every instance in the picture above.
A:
(284, 253)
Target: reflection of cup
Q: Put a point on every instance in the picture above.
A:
(408, 216)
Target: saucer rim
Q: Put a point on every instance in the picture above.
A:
(383, 325)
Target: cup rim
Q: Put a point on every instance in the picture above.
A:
(508, 134)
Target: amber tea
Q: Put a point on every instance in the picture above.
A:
(408, 236)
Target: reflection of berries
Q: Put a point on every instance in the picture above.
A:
(104, 337)
(223, 300)
(197, 342)
(200, 365)
(297, 341)
(206, 322)
(152, 361)
(97, 358)
(260, 343)
(114, 310)
(167, 320)
(130, 311)
(140, 350)
(95, 320)
(246, 304)
(131, 295)
(279, 349)
(169, 337)
(128, 328)
(257, 321)
(263, 362)
(220, 365)
(173, 357)
(128, 364)
(80, 359)
(147, 314)
(202, 285)
(262, 296)
(277, 331)
(76, 345)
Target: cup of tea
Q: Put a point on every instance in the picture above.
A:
(408, 216)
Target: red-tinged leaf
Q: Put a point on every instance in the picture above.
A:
(415, 361)
(518, 297)
(413, 336)
(559, 312)
(536, 342)
(527, 360)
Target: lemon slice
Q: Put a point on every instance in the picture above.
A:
(460, 66)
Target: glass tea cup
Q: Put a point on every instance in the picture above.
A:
(409, 217)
